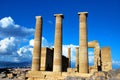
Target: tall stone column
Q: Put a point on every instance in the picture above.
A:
(57, 62)
(83, 43)
(69, 57)
(77, 58)
(37, 45)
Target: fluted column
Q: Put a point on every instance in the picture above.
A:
(77, 58)
(83, 43)
(69, 57)
(57, 62)
(37, 45)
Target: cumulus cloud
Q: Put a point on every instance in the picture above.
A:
(8, 28)
(9, 50)
(13, 37)
(8, 46)
(25, 51)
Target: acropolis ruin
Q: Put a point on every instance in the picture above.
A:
(50, 64)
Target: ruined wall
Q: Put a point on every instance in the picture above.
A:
(47, 60)
(106, 59)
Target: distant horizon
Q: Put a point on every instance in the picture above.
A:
(28, 64)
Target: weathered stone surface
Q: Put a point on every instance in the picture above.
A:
(57, 62)
(69, 57)
(43, 59)
(94, 44)
(106, 59)
(83, 43)
(37, 45)
(77, 59)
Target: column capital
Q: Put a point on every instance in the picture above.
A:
(85, 13)
(38, 17)
(59, 15)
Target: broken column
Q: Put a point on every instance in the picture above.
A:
(77, 58)
(69, 57)
(37, 45)
(106, 59)
(57, 62)
(83, 43)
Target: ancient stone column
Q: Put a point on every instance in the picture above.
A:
(83, 43)
(69, 57)
(37, 45)
(77, 58)
(57, 62)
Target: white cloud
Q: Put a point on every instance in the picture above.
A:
(13, 38)
(31, 42)
(8, 28)
(8, 45)
(25, 51)
(7, 21)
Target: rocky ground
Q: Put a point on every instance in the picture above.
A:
(13, 74)
(19, 74)
(111, 75)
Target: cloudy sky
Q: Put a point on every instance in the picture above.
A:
(17, 26)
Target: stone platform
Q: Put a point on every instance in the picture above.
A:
(48, 75)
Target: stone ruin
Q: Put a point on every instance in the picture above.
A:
(49, 64)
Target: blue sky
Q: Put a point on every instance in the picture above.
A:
(17, 21)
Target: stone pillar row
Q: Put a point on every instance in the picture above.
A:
(57, 60)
